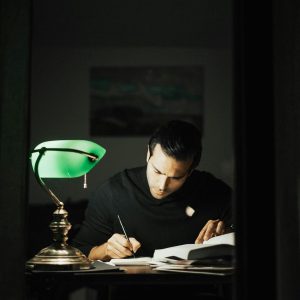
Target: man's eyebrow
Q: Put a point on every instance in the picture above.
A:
(174, 177)
(156, 169)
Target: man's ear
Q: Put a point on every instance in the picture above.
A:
(148, 154)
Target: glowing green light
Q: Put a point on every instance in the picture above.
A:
(58, 160)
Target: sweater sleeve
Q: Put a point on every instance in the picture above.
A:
(224, 193)
(97, 226)
(226, 214)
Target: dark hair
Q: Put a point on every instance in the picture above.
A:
(178, 139)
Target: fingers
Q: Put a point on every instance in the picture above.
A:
(220, 228)
(135, 244)
(210, 229)
(200, 237)
(118, 246)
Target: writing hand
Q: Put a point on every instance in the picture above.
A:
(119, 247)
(211, 228)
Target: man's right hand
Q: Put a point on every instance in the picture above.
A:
(117, 246)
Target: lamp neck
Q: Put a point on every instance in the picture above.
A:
(56, 201)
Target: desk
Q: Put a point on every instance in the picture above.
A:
(165, 285)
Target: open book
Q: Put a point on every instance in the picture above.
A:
(216, 247)
(221, 246)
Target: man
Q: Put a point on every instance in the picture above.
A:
(165, 203)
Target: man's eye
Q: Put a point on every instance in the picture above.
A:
(177, 178)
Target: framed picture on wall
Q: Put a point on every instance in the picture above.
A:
(133, 101)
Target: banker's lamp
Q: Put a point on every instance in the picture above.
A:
(62, 159)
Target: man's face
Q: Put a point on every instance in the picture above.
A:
(165, 174)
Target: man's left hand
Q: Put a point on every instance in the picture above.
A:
(212, 228)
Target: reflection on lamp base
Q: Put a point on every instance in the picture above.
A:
(59, 256)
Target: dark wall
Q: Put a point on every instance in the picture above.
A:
(14, 114)
(267, 149)
(154, 23)
(255, 152)
(286, 19)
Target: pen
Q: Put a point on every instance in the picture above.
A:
(125, 234)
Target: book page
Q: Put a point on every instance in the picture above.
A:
(180, 251)
(227, 238)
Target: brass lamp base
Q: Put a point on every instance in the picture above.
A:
(59, 256)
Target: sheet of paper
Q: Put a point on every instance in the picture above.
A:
(193, 268)
(198, 272)
(138, 261)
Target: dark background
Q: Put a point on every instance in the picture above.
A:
(266, 63)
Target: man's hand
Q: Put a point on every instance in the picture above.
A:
(117, 246)
(212, 228)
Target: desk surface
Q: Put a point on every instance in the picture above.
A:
(129, 276)
(132, 275)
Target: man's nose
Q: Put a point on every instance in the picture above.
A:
(163, 182)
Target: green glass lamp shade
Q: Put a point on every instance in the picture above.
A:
(66, 158)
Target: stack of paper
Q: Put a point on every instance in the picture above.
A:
(138, 261)
(214, 256)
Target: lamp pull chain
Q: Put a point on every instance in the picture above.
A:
(85, 181)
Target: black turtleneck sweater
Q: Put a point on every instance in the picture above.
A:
(154, 223)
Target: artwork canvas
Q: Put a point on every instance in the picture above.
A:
(133, 101)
